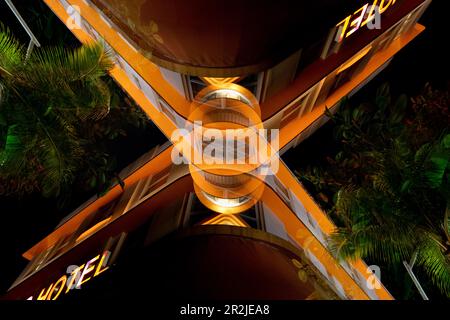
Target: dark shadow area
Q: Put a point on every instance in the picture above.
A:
(26, 220)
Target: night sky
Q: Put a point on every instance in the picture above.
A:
(426, 59)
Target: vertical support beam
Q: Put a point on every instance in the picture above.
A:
(416, 282)
(29, 49)
(33, 40)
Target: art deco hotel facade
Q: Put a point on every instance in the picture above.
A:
(202, 230)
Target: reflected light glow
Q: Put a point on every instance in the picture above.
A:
(227, 203)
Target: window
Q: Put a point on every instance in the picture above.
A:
(197, 85)
(250, 217)
(167, 110)
(156, 181)
(294, 110)
(309, 55)
(302, 105)
(281, 189)
(96, 221)
(353, 66)
(250, 83)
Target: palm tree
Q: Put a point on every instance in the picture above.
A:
(392, 187)
(400, 212)
(43, 101)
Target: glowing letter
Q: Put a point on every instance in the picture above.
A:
(43, 296)
(102, 264)
(342, 29)
(370, 13)
(356, 23)
(89, 267)
(59, 285)
(383, 6)
(73, 277)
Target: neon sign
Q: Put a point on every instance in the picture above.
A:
(361, 17)
(79, 276)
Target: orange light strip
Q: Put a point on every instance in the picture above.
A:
(93, 229)
(219, 81)
(227, 219)
(355, 59)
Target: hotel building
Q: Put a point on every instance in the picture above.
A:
(219, 231)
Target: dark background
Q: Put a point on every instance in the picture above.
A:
(24, 223)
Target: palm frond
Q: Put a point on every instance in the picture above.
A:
(13, 147)
(11, 53)
(435, 264)
(390, 245)
(60, 155)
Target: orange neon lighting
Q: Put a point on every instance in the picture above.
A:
(355, 59)
(225, 219)
(219, 81)
(93, 229)
(291, 130)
